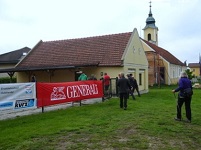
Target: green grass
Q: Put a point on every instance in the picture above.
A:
(147, 124)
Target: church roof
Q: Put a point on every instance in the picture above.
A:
(194, 65)
(165, 54)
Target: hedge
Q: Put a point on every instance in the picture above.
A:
(7, 80)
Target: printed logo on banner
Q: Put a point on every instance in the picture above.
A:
(6, 104)
(28, 89)
(58, 94)
(24, 103)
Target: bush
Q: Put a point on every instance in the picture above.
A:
(8, 80)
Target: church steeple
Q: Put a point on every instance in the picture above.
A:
(151, 30)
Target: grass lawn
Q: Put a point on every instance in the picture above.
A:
(147, 124)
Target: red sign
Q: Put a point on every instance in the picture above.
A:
(56, 93)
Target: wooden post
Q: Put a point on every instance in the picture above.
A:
(11, 76)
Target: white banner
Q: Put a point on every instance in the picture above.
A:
(17, 96)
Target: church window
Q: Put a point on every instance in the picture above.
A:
(149, 37)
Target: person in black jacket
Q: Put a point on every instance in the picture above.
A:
(124, 87)
(135, 85)
(132, 83)
(33, 78)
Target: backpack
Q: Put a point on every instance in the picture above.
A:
(188, 92)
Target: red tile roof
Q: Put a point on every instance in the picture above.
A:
(194, 65)
(105, 50)
(165, 54)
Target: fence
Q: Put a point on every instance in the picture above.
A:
(113, 90)
(31, 95)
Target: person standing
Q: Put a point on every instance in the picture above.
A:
(124, 87)
(106, 81)
(132, 83)
(82, 77)
(119, 76)
(135, 85)
(184, 83)
(33, 78)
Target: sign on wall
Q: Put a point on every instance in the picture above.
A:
(56, 93)
(17, 96)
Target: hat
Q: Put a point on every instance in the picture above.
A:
(80, 71)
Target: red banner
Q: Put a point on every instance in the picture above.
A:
(56, 93)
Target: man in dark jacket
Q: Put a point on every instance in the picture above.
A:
(132, 83)
(135, 85)
(124, 87)
(184, 83)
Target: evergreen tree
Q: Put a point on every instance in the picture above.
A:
(190, 73)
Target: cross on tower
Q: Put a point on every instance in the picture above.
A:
(150, 4)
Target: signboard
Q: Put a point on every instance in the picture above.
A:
(56, 93)
(17, 96)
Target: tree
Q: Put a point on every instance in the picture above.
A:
(190, 73)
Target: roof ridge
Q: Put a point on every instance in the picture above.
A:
(96, 36)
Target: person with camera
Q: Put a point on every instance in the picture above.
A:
(184, 97)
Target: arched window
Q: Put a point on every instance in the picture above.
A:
(149, 37)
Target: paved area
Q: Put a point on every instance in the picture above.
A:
(9, 114)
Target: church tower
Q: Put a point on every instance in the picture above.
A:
(150, 30)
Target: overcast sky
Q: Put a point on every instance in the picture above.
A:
(26, 22)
